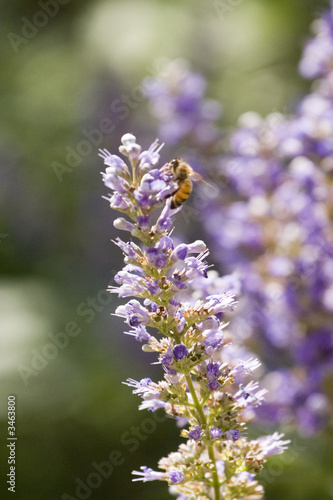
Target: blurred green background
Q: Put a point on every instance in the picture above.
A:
(64, 65)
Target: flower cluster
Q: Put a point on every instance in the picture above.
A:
(274, 215)
(212, 395)
(177, 98)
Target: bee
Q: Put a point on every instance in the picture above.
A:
(182, 173)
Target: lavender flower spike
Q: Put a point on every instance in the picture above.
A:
(199, 386)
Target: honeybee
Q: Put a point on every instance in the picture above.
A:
(182, 173)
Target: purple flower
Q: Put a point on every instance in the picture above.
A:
(244, 367)
(151, 184)
(177, 100)
(115, 165)
(213, 341)
(131, 279)
(140, 386)
(213, 370)
(274, 225)
(148, 474)
(246, 395)
(115, 182)
(245, 476)
(129, 248)
(213, 385)
(215, 433)
(195, 266)
(319, 51)
(167, 358)
(152, 405)
(219, 303)
(176, 476)
(156, 258)
(119, 201)
(234, 435)
(180, 351)
(144, 222)
(180, 252)
(164, 222)
(178, 281)
(195, 433)
(134, 313)
(211, 323)
(273, 445)
(150, 158)
(140, 333)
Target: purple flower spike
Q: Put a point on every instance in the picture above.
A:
(184, 304)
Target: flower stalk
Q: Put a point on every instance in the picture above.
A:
(212, 396)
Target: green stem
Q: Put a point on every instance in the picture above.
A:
(202, 420)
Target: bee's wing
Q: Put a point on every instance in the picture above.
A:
(197, 177)
(194, 176)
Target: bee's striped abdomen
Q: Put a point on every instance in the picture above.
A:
(181, 195)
